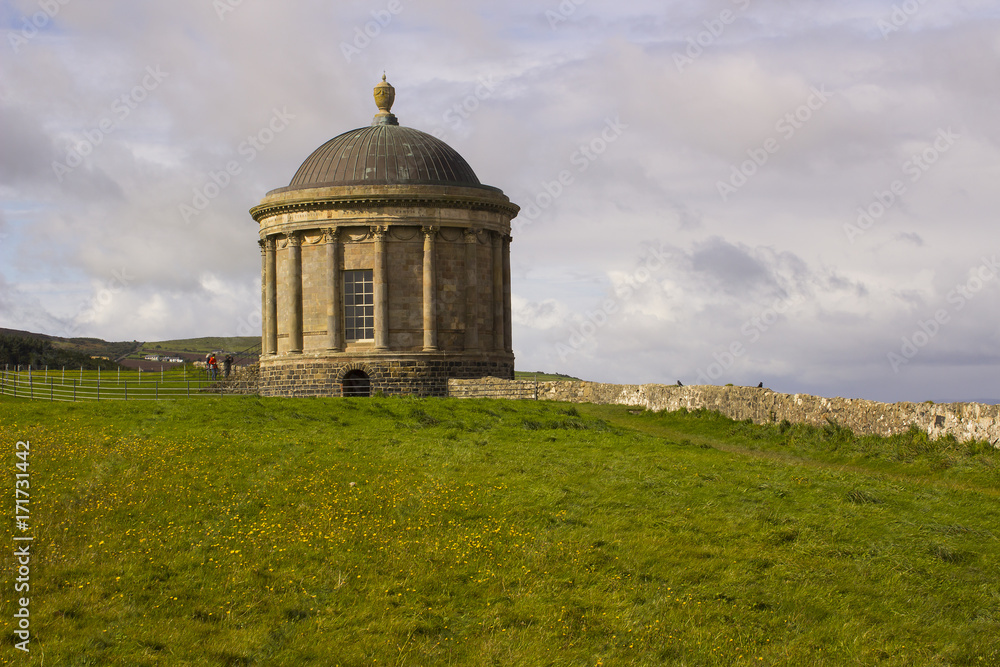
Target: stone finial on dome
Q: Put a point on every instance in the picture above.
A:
(385, 95)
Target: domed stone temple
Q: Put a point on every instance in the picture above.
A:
(385, 267)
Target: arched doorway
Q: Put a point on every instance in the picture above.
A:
(357, 383)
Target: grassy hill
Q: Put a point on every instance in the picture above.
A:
(542, 376)
(199, 346)
(21, 350)
(189, 347)
(249, 531)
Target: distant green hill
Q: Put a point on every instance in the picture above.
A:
(118, 351)
(183, 347)
(19, 348)
(199, 345)
(541, 376)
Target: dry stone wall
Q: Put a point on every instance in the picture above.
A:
(964, 421)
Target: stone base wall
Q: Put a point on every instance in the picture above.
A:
(416, 374)
(964, 421)
(242, 380)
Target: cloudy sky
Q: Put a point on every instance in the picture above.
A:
(797, 193)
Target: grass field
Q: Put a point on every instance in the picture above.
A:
(69, 385)
(249, 531)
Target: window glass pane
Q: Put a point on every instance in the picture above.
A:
(359, 309)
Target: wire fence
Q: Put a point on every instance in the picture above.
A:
(190, 381)
(117, 385)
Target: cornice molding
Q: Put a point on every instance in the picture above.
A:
(372, 202)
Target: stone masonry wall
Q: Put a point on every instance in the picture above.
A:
(964, 421)
(419, 375)
(242, 380)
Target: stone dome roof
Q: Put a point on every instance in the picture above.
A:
(384, 154)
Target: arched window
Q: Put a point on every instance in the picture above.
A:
(357, 383)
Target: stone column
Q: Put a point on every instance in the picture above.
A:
(263, 295)
(271, 298)
(430, 291)
(295, 289)
(471, 290)
(381, 289)
(507, 337)
(498, 301)
(334, 332)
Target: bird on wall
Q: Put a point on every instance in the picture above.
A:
(760, 385)
(679, 384)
